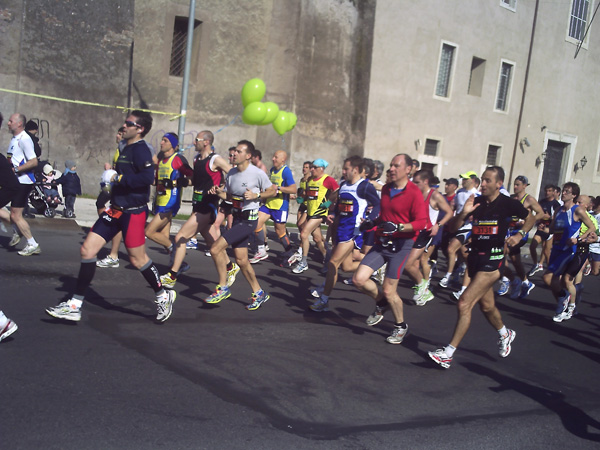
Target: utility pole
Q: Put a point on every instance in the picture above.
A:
(186, 71)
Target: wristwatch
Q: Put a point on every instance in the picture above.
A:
(523, 232)
(400, 227)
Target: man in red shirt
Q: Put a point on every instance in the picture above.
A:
(403, 215)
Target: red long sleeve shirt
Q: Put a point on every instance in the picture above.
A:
(405, 207)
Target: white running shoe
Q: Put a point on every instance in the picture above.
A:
(9, 329)
(165, 306)
(30, 250)
(258, 257)
(65, 311)
(16, 238)
(109, 261)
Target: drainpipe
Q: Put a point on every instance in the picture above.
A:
(514, 156)
(186, 71)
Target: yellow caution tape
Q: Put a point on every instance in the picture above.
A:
(80, 102)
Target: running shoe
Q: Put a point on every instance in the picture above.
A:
(444, 282)
(566, 314)
(441, 358)
(348, 281)
(231, 274)
(376, 316)
(192, 244)
(526, 288)
(535, 269)
(503, 289)
(462, 269)
(320, 306)
(419, 290)
(397, 335)
(426, 297)
(16, 238)
(109, 261)
(207, 253)
(300, 267)
(9, 329)
(504, 343)
(184, 268)
(221, 293)
(458, 293)
(587, 269)
(295, 258)
(258, 257)
(317, 291)
(257, 300)
(380, 274)
(30, 250)
(167, 282)
(65, 311)
(164, 306)
(515, 289)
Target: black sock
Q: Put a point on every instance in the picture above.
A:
(173, 275)
(401, 325)
(229, 266)
(87, 269)
(150, 273)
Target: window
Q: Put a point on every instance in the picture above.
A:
(509, 4)
(504, 85)
(447, 56)
(431, 147)
(180, 33)
(578, 18)
(476, 78)
(492, 155)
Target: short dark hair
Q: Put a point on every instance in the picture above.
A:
(379, 166)
(415, 163)
(368, 167)
(249, 146)
(31, 125)
(256, 153)
(143, 119)
(407, 159)
(424, 174)
(499, 172)
(549, 186)
(575, 190)
(306, 162)
(356, 162)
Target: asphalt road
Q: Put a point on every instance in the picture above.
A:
(222, 377)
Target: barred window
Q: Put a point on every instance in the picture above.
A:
(431, 147)
(504, 86)
(492, 155)
(578, 19)
(445, 70)
(180, 34)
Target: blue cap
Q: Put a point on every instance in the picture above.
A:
(172, 139)
(320, 163)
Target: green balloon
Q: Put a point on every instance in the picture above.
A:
(272, 112)
(254, 113)
(253, 91)
(293, 119)
(281, 124)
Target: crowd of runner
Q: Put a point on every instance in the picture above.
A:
(380, 224)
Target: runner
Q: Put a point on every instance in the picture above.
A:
(321, 192)
(207, 173)
(403, 214)
(490, 215)
(549, 205)
(355, 195)
(127, 213)
(245, 186)
(276, 209)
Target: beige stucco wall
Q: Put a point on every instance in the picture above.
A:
(561, 91)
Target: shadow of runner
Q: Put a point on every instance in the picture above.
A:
(575, 420)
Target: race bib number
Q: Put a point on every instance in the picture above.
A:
(485, 229)
(197, 197)
(161, 189)
(313, 193)
(113, 213)
(345, 207)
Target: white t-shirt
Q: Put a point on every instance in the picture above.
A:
(462, 195)
(19, 152)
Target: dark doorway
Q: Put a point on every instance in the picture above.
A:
(553, 163)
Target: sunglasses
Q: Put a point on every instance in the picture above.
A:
(129, 123)
(200, 140)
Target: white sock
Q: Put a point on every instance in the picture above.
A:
(503, 331)
(505, 279)
(448, 274)
(449, 350)
(76, 303)
(31, 241)
(261, 249)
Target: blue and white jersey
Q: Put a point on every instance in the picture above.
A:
(353, 200)
(565, 227)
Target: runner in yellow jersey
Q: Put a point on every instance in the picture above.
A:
(276, 208)
(321, 193)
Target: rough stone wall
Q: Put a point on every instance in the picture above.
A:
(69, 49)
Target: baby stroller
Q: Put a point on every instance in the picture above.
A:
(39, 200)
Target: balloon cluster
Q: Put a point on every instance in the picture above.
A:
(259, 113)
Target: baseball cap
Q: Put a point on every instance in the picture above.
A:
(451, 181)
(523, 179)
(320, 163)
(469, 174)
(48, 169)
